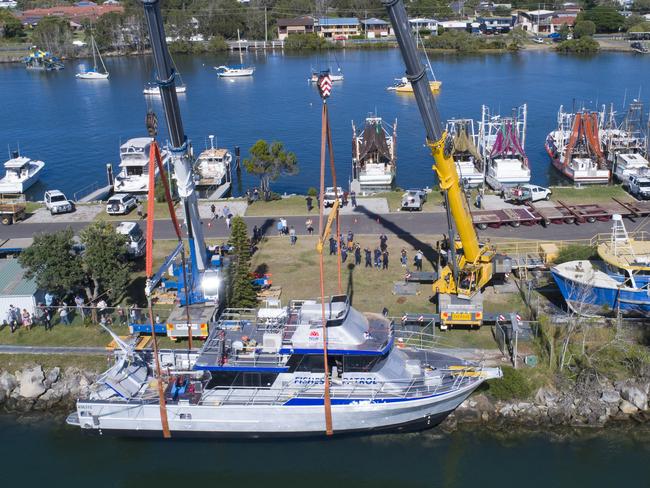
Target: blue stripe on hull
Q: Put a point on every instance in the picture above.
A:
(631, 301)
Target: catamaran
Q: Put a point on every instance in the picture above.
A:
(20, 173)
(94, 74)
(260, 373)
(238, 70)
(374, 159)
(134, 166)
(575, 147)
(502, 141)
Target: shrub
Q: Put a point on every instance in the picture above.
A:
(584, 28)
(575, 252)
(312, 192)
(217, 44)
(513, 385)
(584, 45)
(300, 42)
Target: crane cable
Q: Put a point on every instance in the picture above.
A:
(324, 88)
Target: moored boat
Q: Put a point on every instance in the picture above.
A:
(502, 141)
(262, 374)
(20, 173)
(133, 176)
(469, 162)
(94, 74)
(236, 71)
(212, 169)
(374, 159)
(625, 144)
(618, 281)
(574, 148)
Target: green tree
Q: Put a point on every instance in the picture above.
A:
(53, 262)
(584, 28)
(217, 44)
(584, 45)
(54, 35)
(303, 42)
(633, 19)
(104, 261)
(606, 19)
(564, 32)
(517, 39)
(640, 27)
(242, 292)
(268, 163)
(10, 26)
(108, 31)
(641, 6)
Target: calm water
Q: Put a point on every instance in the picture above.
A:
(46, 453)
(76, 126)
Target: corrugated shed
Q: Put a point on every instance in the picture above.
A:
(13, 281)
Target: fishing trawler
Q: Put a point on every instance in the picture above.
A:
(134, 166)
(502, 141)
(618, 281)
(212, 169)
(469, 162)
(625, 144)
(261, 373)
(373, 154)
(574, 148)
(20, 173)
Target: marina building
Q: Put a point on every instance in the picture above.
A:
(421, 23)
(338, 28)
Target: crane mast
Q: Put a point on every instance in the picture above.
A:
(472, 269)
(181, 158)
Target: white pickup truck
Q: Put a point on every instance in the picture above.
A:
(526, 193)
(330, 196)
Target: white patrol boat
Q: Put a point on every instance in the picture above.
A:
(262, 374)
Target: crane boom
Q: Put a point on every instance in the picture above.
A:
(180, 147)
(475, 261)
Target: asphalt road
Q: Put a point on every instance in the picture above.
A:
(362, 222)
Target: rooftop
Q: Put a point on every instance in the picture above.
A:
(13, 281)
(338, 21)
(374, 21)
(296, 22)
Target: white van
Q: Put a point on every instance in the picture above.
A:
(135, 244)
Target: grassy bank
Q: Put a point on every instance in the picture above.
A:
(15, 362)
(590, 194)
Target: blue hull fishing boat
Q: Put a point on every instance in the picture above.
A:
(618, 282)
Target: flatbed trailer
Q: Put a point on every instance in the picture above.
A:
(513, 217)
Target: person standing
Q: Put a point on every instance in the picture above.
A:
(418, 260)
(256, 233)
(332, 246)
(27, 319)
(213, 210)
(139, 211)
(49, 299)
(225, 212)
(377, 258)
(384, 259)
(357, 255)
(292, 236)
(368, 254)
(228, 222)
(121, 315)
(403, 258)
(353, 198)
(278, 226)
(79, 302)
(133, 313)
(63, 314)
(309, 201)
(47, 318)
(344, 254)
(285, 228)
(310, 226)
(383, 242)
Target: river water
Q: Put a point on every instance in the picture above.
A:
(76, 126)
(47, 453)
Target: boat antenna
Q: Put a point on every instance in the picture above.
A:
(211, 137)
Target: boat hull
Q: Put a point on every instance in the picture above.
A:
(583, 296)
(297, 418)
(595, 176)
(92, 75)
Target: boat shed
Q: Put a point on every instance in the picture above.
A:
(16, 289)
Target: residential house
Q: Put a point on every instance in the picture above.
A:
(495, 25)
(376, 28)
(424, 24)
(299, 25)
(535, 21)
(460, 25)
(338, 28)
(73, 13)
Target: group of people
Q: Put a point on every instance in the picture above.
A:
(225, 213)
(285, 230)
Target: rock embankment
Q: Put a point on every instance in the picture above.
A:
(34, 389)
(577, 405)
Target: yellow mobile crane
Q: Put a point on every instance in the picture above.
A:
(470, 265)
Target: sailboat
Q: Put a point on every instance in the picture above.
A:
(338, 76)
(235, 71)
(94, 74)
(154, 89)
(403, 85)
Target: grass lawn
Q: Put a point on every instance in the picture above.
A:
(14, 362)
(590, 194)
(280, 208)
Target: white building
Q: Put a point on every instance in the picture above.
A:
(422, 23)
(16, 290)
(454, 25)
(8, 4)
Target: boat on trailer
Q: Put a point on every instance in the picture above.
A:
(575, 147)
(261, 373)
(469, 162)
(374, 159)
(502, 141)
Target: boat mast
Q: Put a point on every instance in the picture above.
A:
(100, 56)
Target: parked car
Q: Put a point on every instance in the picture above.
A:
(526, 193)
(639, 186)
(414, 199)
(135, 244)
(57, 203)
(330, 196)
(121, 204)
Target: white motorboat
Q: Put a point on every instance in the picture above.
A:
(212, 167)
(134, 166)
(502, 141)
(373, 154)
(236, 71)
(20, 174)
(629, 164)
(94, 74)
